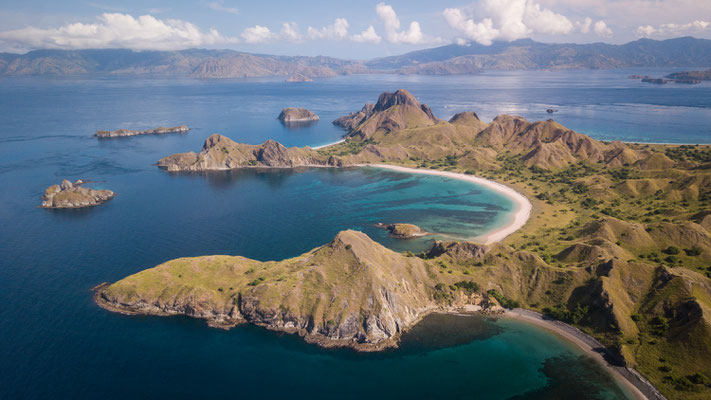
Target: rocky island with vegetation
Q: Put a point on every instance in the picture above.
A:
(74, 195)
(403, 231)
(291, 114)
(618, 244)
(161, 130)
(690, 76)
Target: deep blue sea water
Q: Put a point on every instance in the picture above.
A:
(55, 343)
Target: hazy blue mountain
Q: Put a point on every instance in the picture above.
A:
(445, 60)
(194, 62)
(528, 54)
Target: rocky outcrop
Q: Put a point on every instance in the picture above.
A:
(297, 115)
(460, 251)
(690, 76)
(351, 292)
(127, 132)
(298, 78)
(221, 153)
(403, 231)
(351, 121)
(74, 195)
(392, 112)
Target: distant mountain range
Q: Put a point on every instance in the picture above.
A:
(527, 54)
(196, 63)
(452, 59)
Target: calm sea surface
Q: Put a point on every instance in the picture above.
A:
(55, 343)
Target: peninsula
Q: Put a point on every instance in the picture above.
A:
(351, 292)
(74, 195)
(127, 132)
(612, 238)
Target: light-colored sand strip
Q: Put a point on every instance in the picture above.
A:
(632, 380)
(330, 144)
(522, 206)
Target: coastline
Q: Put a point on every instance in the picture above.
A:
(326, 145)
(633, 381)
(520, 215)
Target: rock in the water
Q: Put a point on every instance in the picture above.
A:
(403, 231)
(161, 130)
(74, 195)
(297, 115)
(299, 78)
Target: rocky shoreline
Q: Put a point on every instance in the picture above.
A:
(161, 130)
(291, 114)
(74, 195)
(229, 321)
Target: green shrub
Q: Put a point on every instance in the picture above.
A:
(467, 286)
(671, 250)
(503, 300)
(693, 252)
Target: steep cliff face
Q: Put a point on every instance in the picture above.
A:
(221, 153)
(350, 292)
(74, 195)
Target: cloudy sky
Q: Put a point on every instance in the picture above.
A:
(352, 29)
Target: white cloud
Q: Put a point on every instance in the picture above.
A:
(367, 36)
(545, 21)
(694, 26)
(258, 34)
(413, 35)
(114, 30)
(337, 30)
(290, 32)
(584, 27)
(601, 29)
(219, 5)
(517, 19)
(482, 32)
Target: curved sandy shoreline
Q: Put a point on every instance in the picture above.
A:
(520, 215)
(326, 145)
(636, 385)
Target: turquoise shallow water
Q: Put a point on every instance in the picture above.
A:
(55, 343)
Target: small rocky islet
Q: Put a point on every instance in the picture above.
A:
(161, 130)
(291, 114)
(402, 230)
(74, 195)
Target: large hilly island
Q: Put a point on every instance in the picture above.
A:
(196, 63)
(523, 54)
(453, 59)
(618, 243)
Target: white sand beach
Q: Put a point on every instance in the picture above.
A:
(520, 215)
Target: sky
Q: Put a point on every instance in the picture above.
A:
(350, 29)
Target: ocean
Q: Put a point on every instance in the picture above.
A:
(56, 343)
